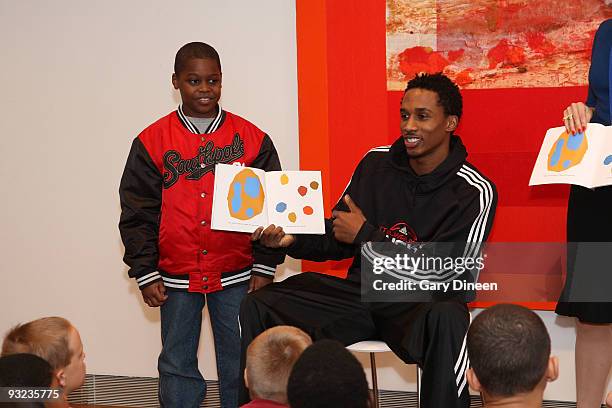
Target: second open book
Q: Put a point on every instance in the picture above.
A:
(246, 198)
(584, 159)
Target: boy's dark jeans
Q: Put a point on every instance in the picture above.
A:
(181, 384)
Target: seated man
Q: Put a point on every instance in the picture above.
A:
(509, 350)
(328, 375)
(419, 190)
(270, 358)
(59, 343)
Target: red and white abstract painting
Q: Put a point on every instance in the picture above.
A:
(493, 43)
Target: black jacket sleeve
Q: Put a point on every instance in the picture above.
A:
(266, 259)
(320, 248)
(140, 193)
(267, 158)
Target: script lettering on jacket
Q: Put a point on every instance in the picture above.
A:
(204, 162)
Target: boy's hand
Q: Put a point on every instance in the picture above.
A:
(272, 237)
(348, 224)
(258, 282)
(154, 295)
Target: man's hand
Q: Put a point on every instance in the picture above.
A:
(154, 295)
(258, 282)
(348, 224)
(272, 237)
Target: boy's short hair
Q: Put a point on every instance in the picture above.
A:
(194, 50)
(25, 370)
(448, 92)
(47, 338)
(270, 358)
(327, 375)
(509, 349)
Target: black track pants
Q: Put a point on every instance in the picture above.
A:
(431, 335)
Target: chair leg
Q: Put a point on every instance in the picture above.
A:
(418, 386)
(374, 380)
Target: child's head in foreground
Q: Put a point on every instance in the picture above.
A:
(25, 370)
(509, 351)
(55, 340)
(197, 75)
(328, 375)
(270, 358)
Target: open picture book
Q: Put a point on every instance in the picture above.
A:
(583, 159)
(246, 198)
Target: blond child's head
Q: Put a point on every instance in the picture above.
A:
(270, 358)
(55, 340)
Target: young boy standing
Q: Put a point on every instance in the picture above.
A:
(178, 262)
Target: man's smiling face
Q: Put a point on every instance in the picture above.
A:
(425, 127)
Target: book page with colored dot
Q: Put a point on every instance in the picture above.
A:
(295, 201)
(580, 159)
(604, 170)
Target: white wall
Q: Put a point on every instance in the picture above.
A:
(80, 79)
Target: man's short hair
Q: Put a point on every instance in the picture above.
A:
(327, 375)
(25, 370)
(47, 338)
(194, 50)
(449, 96)
(509, 349)
(270, 358)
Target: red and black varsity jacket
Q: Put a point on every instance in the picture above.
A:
(166, 202)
